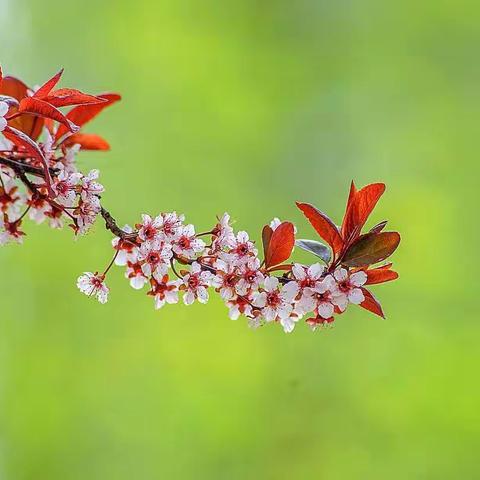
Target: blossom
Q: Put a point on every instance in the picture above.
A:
(164, 290)
(187, 244)
(90, 187)
(3, 112)
(170, 225)
(65, 186)
(155, 256)
(250, 276)
(10, 197)
(92, 284)
(11, 231)
(127, 249)
(347, 287)
(225, 279)
(274, 301)
(149, 228)
(321, 298)
(135, 275)
(243, 248)
(239, 305)
(223, 236)
(195, 284)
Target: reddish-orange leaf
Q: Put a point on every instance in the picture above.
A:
(371, 248)
(64, 97)
(371, 303)
(39, 107)
(22, 140)
(281, 244)
(87, 141)
(29, 124)
(48, 86)
(266, 236)
(84, 113)
(351, 196)
(1, 76)
(380, 275)
(323, 225)
(359, 209)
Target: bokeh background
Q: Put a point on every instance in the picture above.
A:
(247, 106)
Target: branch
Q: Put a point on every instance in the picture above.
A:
(21, 169)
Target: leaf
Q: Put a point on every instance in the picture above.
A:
(84, 113)
(64, 97)
(87, 141)
(323, 225)
(29, 124)
(1, 76)
(21, 139)
(39, 107)
(371, 303)
(48, 86)
(281, 244)
(266, 236)
(380, 275)
(378, 227)
(371, 248)
(359, 209)
(317, 248)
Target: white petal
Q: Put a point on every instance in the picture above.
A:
(284, 311)
(271, 283)
(340, 274)
(202, 294)
(260, 299)
(158, 302)
(137, 282)
(325, 309)
(288, 324)
(298, 271)
(3, 108)
(315, 271)
(290, 291)
(358, 278)
(188, 298)
(356, 296)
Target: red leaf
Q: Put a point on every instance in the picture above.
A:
(1, 76)
(29, 124)
(48, 86)
(87, 141)
(266, 236)
(359, 209)
(323, 225)
(20, 139)
(380, 275)
(371, 303)
(64, 97)
(84, 113)
(371, 248)
(281, 244)
(39, 107)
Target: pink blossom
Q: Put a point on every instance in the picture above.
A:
(195, 284)
(92, 284)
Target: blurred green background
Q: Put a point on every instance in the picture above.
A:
(247, 106)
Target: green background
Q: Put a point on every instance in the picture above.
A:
(247, 106)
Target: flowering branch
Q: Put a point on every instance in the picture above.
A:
(39, 178)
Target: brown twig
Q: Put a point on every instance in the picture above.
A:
(21, 169)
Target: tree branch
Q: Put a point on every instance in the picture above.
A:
(21, 169)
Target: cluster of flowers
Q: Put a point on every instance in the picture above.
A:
(37, 138)
(230, 265)
(164, 255)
